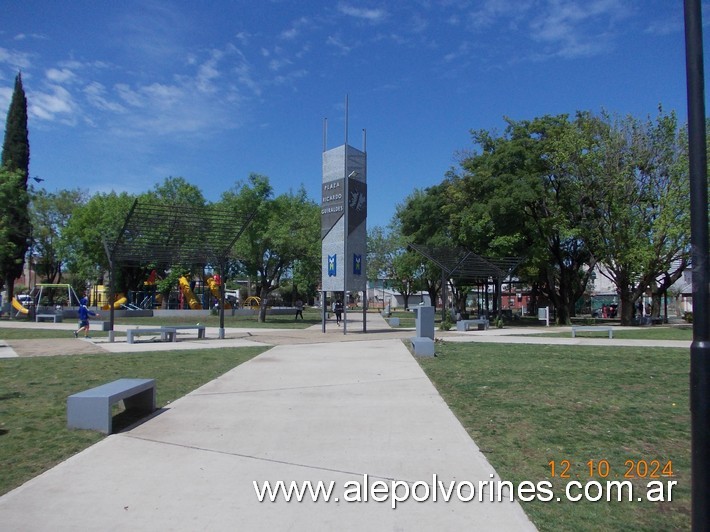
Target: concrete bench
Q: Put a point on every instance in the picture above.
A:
(173, 330)
(165, 334)
(54, 317)
(423, 346)
(465, 325)
(592, 328)
(91, 409)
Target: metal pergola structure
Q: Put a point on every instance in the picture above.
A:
(176, 235)
(463, 265)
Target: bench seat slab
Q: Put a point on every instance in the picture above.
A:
(91, 409)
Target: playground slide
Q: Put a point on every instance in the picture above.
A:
(18, 306)
(116, 304)
(214, 288)
(192, 301)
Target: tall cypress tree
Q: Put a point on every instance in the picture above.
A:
(16, 147)
(16, 162)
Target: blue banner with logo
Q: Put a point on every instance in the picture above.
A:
(332, 265)
(357, 264)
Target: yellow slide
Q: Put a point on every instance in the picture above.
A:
(214, 288)
(116, 304)
(192, 301)
(18, 306)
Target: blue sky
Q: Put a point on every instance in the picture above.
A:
(124, 94)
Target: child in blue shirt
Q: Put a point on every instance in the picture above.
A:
(84, 314)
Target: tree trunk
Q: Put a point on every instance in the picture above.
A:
(433, 291)
(263, 296)
(563, 314)
(627, 308)
(656, 295)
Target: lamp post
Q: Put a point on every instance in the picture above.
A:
(700, 347)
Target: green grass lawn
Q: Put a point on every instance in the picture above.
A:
(527, 406)
(33, 393)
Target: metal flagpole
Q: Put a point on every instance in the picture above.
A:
(364, 293)
(323, 292)
(346, 263)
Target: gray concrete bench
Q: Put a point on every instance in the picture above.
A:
(164, 333)
(465, 325)
(91, 409)
(592, 328)
(423, 346)
(167, 332)
(174, 330)
(54, 317)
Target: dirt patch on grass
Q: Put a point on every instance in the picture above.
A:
(54, 347)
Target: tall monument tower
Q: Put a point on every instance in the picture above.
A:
(344, 201)
(344, 222)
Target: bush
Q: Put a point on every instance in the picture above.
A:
(446, 323)
(688, 316)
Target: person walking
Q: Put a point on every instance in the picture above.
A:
(338, 312)
(299, 308)
(84, 314)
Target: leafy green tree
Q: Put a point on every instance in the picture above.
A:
(92, 225)
(11, 243)
(285, 229)
(50, 214)
(515, 197)
(16, 162)
(380, 251)
(306, 275)
(176, 191)
(423, 219)
(16, 146)
(638, 221)
(406, 271)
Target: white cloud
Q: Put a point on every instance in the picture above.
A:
(370, 15)
(63, 75)
(666, 26)
(290, 78)
(492, 11)
(161, 95)
(15, 59)
(245, 77)
(5, 97)
(128, 95)
(56, 104)
(279, 64)
(289, 34)
(575, 28)
(337, 42)
(208, 72)
(96, 94)
(24, 36)
(296, 29)
(463, 50)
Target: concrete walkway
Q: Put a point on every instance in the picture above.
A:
(351, 411)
